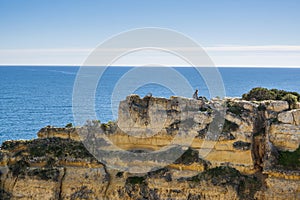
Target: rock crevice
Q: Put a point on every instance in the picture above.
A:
(247, 154)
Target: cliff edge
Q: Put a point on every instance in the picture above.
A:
(254, 154)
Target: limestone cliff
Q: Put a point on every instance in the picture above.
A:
(253, 153)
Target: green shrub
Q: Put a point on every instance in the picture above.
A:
(279, 93)
(5, 195)
(291, 99)
(234, 108)
(45, 174)
(246, 186)
(135, 180)
(240, 145)
(259, 94)
(110, 126)
(69, 125)
(229, 126)
(188, 157)
(290, 160)
(58, 148)
(19, 167)
(119, 175)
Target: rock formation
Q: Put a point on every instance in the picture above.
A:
(229, 149)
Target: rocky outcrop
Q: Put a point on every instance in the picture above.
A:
(65, 133)
(276, 106)
(32, 171)
(290, 117)
(238, 150)
(280, 185)
(285, 137)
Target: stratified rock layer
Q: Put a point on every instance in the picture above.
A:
(239, 150)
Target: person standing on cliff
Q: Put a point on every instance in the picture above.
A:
(195, 95)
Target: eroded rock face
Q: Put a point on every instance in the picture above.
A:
(151, 123)
(240, 162)
(66, 133)
(290, 117)
(280, 186)
(285, 137)
(276, 106)
(65, 173)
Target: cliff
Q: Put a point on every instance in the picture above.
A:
(252, 154)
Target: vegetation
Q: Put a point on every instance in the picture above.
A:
(229, 126)
(69, 125)
(82, 193)
(136, 187)
(4, 194)
(49, 150)
(290, 160)
(241, 145)
(12, 145)
(45, 174)
(234, 108)
(280, 94)
(135, 180)
(189, 157)
(246, 186)
(291, 99)
(161, 173)
(260, 94)
(48, 147)
(261, 107)
(57, 147)
(19, 167)
(217, 173)
(119, 175)
(110, 126)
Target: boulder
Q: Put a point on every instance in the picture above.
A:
(290, 117)
(285, 137)
(277, 106)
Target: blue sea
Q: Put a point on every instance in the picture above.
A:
(34, 97)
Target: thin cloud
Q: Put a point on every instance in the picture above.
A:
(263, 56)
(270, 48)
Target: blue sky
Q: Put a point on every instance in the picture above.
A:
(32, 25)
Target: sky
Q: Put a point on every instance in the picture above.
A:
(233, 33)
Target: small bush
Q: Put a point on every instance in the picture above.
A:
(234, 108)
(45, 174)
(135, 180)
(4, 194)
(58, 148)
(69, 125)
(110, 126)
(229, 126)
(119, 175)
(240, 145)
(19, 168)
(259, 94)
(290, 160)
(291, 99)
(188, 157)
(246, 186)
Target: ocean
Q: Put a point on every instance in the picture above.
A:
(32, 97)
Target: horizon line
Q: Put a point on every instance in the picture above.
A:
(75, 65)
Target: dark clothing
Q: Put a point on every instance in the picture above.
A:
(195, 95)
